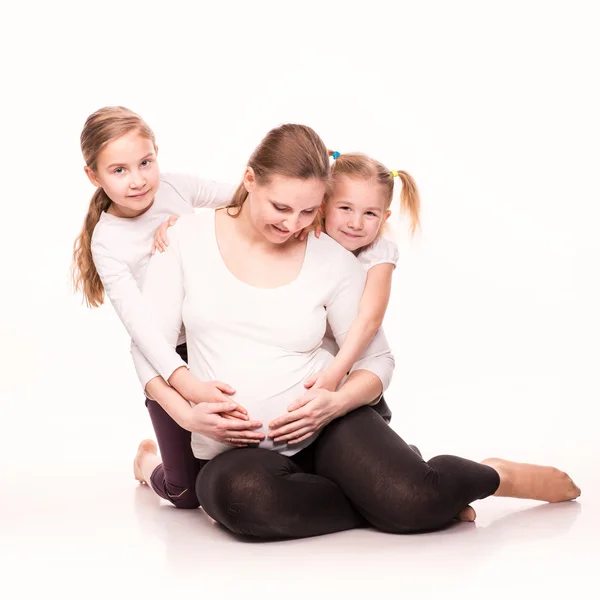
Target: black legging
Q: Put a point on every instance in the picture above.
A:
(357, 473)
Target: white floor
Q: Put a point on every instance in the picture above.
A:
(95, 533)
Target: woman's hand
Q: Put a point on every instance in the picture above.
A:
(305, 416)
(215, 420)
(160, 237)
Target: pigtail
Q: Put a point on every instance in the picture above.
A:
(410, 201)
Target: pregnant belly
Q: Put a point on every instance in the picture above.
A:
(266, 396)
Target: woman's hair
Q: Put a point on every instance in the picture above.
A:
(361, 166)
(101, 127)
(290, 150)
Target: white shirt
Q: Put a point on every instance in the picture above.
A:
(121, 249)
(262, 342)
(379, 252)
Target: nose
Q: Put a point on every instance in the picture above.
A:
(355, 221)
(137, 180)
(292, 223)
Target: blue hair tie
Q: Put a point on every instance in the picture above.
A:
(335, 155)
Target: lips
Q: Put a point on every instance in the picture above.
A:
(282, 231)
(352, 235)
(139, 195)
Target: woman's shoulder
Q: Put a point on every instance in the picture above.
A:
(189, 227)
(331, 253)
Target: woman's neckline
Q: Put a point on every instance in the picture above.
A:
(294, 282)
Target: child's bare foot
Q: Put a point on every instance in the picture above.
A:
(144, 449)
(467, 514)
(534, 482)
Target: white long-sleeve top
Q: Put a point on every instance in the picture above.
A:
(121, 249)
(263, 342)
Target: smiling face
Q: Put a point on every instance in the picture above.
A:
(283, 206)
(355, 211)
(127, 170)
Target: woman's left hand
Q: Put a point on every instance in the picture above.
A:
(305, 416)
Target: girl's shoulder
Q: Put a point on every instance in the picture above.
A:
(380, 251)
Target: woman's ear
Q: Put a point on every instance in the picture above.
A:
(91, 176)
(387, 215)
(249, 179)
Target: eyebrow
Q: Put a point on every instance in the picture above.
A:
(122, 164)
(371, 208)
(289, 207)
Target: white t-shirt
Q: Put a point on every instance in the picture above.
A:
(121, 249)
(379, 252)
(263, 342)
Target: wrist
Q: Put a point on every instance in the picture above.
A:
(181, 380)
(184, 417)
(340, 403)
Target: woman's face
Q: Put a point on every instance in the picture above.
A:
(355, 212)
(283, 206)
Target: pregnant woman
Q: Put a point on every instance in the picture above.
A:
(255, 302)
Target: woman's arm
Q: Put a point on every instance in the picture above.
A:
(371, 311)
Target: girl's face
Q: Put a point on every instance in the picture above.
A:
(283, 206)
(355, 212)
(127, 169)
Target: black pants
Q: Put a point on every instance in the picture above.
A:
(175, 479)
(358, 473)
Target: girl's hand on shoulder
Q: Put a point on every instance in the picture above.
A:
(317, 228)
(160, 237)
(305, 416)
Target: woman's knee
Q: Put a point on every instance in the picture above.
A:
(238, 492)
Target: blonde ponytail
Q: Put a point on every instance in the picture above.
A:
(84, 274)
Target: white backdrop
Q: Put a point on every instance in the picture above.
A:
(493, 107)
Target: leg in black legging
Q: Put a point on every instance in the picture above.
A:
(388, 483)
(264, 494)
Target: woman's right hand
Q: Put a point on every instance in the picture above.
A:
(206, 419)
(160, 237)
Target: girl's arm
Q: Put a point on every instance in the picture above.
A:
(373, 304)
(199, 192)
(154, 355)
(136, 315)
(369, 377)
(342, 310)
(164, 292)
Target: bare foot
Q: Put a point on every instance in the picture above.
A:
(467, 514)
(146, 447)
(534, 482)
